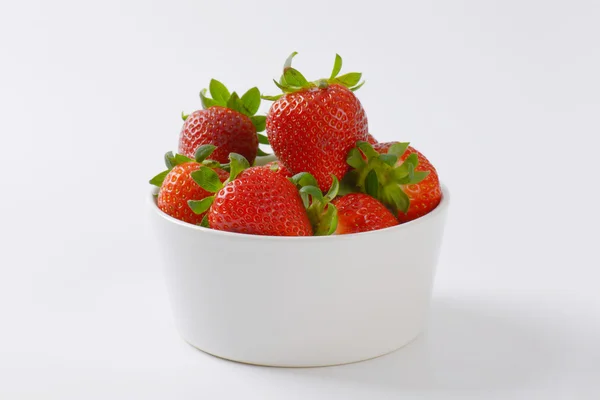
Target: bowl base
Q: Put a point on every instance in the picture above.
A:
(305, 366)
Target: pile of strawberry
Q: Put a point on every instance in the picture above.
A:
(331, 175)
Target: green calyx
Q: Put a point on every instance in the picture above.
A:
(321, 213)
(208, 179)
(172, 160)
(248, 104)
(380, 176)
(293, 81)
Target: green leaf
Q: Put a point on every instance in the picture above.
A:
(327, 222)
(201, 206)
(411, 171)
(355, 88)
(169, 158)
(261, 153)
(271, 98)
(207, 179)
(173, 160)
(389, 159)
(204, 223)
(159, 179)
(238, 163)
(234, 103)
(282, 80)
(262, 139)
(259, 122)
(411, 162)
(337, 66)
(394, 197)
(305, 200)
(372, 184)
(367, 150)
(218, 91)
(202, 152)
(334, 220)
(293, 77)
(314, 192)
(398, 149)
(304, 179)
(418, 177)
(412, 159)
(334, 189)
(184, 116)
(181, 159)
(251, 101)
(212, 164)
(207, 102)
(355, 159)
(284, 89)
(288, 61)
(350, 79)
(401, 172)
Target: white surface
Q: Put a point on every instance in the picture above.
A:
(299, 302)
(503, 96)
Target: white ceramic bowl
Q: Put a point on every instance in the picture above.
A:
(300, 301)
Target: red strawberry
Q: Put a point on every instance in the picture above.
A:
(313, 125)
(398, 176)
(260, 202)
(177, 186)
(256, 201)
(280, 169)
(226, 121)
(359, 212)
(425, 195)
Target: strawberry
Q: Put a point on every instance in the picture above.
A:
(177, 186)
(255, 201)
(425, 195)
(359, 212)
(395, 174)
(313, 125)
(227, 121)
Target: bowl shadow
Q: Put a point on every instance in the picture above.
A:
(469, 346)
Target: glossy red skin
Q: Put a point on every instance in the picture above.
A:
(229, 130)
(260, 202)
(179, 187)
(371, 139)
(313, 130)
(281, 170)
(424, 196)
(359, 212)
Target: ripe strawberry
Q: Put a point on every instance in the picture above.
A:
(255, 201)
(398, 176)
(227, 121)
(425, 195)
(177, 187)
(313, 125)
(359, 212)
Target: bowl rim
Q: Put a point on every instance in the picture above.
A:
(444, 202)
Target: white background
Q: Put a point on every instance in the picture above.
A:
(503, 97)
